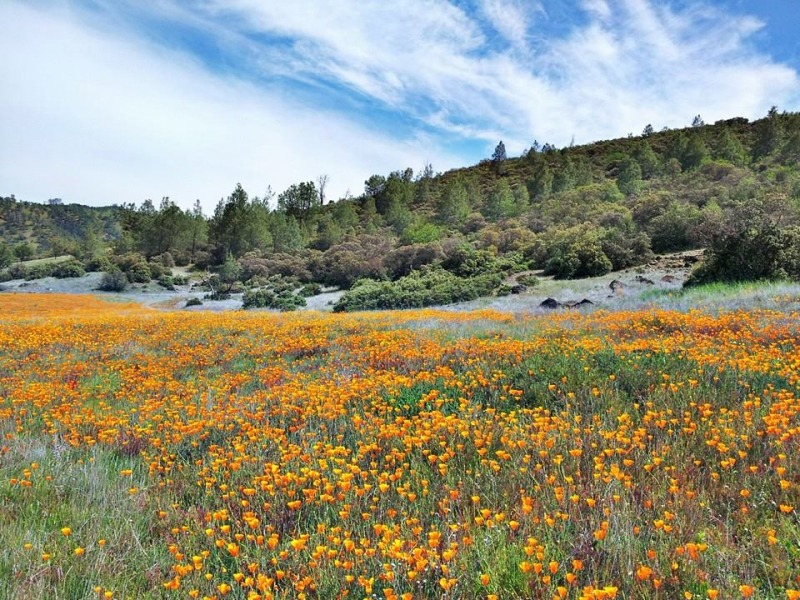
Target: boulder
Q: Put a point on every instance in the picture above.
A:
(584, 302)
(550, 303)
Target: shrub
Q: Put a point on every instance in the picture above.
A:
(465, 261)
(157, 270)
(528, 279)
(258, 299)
(165, 260)
(39, 271)
(401, 261)
(287, 302)
(288, 265)
(761, 251)
(284, 301)
(345, 263)
(577, 252)
(113, 281)
(139, 273)
(193, 302)
(310, 289)
(98, 263)
(422, 288)
(18, 271)
(166, 282)
(72, 268)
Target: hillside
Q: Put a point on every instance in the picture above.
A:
(572, 212)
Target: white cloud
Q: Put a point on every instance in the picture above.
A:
(511, 19)
(105, 110)
(91, 117)
(634, 62)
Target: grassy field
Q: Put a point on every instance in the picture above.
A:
(640, 454)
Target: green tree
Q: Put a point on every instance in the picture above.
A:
(24, 251)
(198, 233)
(769, 135)
(542, 183)
(454, 205)
(239, 226)
(577, 252)
(286, 233)
(499, 158)
(728, 147)
(500, 203)
(695, 153)
(629, 177)
(648, 160)
(6, 255)
(299, 200)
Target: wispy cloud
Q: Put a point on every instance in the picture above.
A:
(93, 117)
(184, 99)
(624, 64)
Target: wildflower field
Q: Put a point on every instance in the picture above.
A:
(423, 454)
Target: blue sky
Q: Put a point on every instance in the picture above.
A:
(111, 101)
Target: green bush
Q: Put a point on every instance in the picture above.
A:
(193, 302)
(39, 271)
(98, 264)
(577, 252)
(310, 289)
(72, 268)
(18, 271)
(284, 301)
(157, 270)
(114, 281)
(258, 299)
(139, 273)
(429, 287)
(287, 302)
(528, 280)
(758, 252)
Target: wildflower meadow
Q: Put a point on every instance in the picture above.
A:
(397, 455)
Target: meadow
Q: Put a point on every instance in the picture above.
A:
(417, 454)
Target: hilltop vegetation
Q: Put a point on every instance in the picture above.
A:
(732, 187)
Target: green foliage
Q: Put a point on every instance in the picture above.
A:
(422, 232)
(24, 251)
(577, 252)
(193, 302)
(501, 202)
(72, 268)
(465, 261)
(422, 288)
(674, 229)
(7, 255)
(454, 206)
(113, 281)
(139, 273)
(758, 250)
(310, 289)
(405, 259)
(354, 259)
(284, 301)
(629, 177)
(299, 200)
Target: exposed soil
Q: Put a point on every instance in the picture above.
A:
(613, 290)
